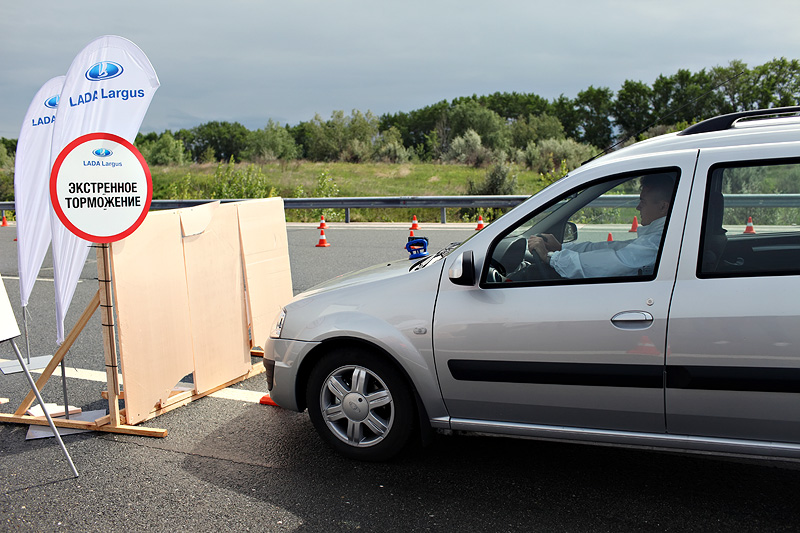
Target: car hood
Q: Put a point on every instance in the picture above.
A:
(371, 274)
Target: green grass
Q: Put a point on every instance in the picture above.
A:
(301, 179)
(350, 179)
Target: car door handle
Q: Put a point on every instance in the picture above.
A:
(632, 320)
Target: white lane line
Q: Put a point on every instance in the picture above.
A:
(42, 279)
(242, 395)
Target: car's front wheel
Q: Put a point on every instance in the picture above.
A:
(360, 405)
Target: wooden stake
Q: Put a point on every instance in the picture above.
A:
(97, 425)
(109, 336)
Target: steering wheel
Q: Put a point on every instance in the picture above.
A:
(498, 267)
(545, 271)
(512, 254)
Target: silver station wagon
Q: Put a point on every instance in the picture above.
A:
(567, 318)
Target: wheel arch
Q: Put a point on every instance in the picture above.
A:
(327, 346)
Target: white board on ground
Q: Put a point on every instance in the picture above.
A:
(8, 323)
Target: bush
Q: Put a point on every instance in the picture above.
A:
(556, 174)
(548, 154)
(6, 186)
(249, 182)
(498, 180)
(208, 156)
(6, 161)
(6, 175)
(535, 128)
(390, 148)
(342, 138)
(393, 152)
(186, 188)
(270, 143)
(356, 151)
(327, 188)
(467, 149)
(491, 127)
(166, 150)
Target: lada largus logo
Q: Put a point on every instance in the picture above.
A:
(52, 102)
(104, 70)
(102, 152)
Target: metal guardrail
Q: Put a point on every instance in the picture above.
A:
(372, 202)
(358, 202)
(444, 202)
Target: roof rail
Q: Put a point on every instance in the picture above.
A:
(724, 122)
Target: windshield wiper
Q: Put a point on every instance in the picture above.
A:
(422, 263)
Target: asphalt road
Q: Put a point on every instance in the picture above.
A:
(231, 464)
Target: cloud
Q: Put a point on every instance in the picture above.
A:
(252, 61)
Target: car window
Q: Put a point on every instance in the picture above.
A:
(750, 220)
(596, 232)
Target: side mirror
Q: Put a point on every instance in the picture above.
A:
(463, 270)
(570, 232)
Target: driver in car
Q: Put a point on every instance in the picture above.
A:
(614, 258)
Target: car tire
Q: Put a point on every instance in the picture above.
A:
(360, 404)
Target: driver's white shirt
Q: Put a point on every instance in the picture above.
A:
(611, 258)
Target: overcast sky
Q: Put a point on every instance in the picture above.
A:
(235, 60)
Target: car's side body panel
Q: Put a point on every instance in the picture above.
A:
(733, 365)
(551, 354)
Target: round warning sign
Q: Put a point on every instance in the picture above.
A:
(101, 187)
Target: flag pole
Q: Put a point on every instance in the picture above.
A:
(41, 402)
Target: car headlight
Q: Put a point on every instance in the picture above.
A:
(277, 325)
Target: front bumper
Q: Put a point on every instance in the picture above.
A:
(282, 358)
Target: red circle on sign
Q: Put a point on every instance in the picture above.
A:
(55, 200)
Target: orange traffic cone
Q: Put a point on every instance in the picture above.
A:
(411, 234)
(610, 238)
(634, 226)
(322, 224)
(481, 225)
(267, 400)
(414, 224)
(5, 222)
(750, 228)
(322, 240)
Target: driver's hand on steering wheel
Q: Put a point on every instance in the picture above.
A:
(537, 245)
(550, 242)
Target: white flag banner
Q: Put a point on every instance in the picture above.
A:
(108, 88)
(32, 184)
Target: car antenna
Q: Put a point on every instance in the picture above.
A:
(661, 118)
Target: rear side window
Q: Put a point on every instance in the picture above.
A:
(750, 221)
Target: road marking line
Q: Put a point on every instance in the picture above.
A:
(242, 395)
(43, 279)
(239, 394)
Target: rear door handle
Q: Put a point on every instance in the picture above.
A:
(632, 320)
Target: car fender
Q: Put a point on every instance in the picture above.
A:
(394, 315)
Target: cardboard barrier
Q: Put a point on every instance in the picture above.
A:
(183, 282)
(265, 249)
(196, 288)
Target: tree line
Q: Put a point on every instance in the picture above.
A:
(524, 128)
